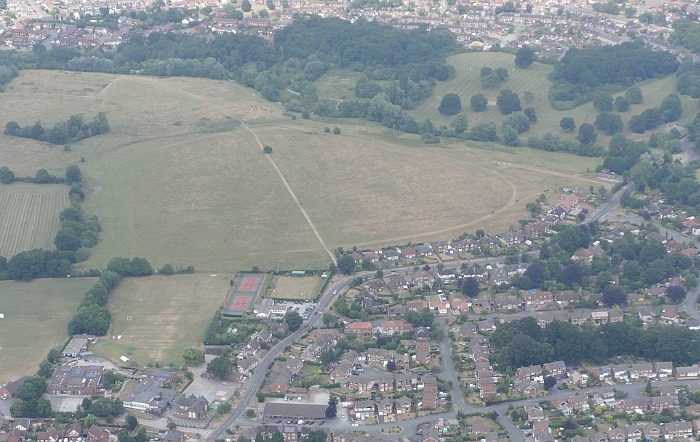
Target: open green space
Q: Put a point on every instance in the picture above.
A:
(534, 79)
(36, 318)
(290, 287)
(194, 187)
(29, 216)
(158, 317)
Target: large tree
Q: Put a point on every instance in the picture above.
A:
(332, 408)
(346, 264)
(508, 102)
(586, 134)
(220, 367)
(524, 57)
(614, 295)
(479, 102)
(470, 287)
(293, 320)
(567, 124)
(450, 105)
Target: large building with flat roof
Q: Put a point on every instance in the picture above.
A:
(76, 380)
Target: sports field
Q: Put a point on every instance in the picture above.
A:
(36, 319)
(158, 316)
(289, 287)
(241, 296)
(194, 187)
(29, 216)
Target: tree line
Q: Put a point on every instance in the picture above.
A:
(581, 72)
(76, 235)
(73, 129)
(523, 342)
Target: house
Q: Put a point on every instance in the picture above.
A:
(403, 405)
(663, 369)
(669, 315)
(661, 403)
(51, 435)
(77, 345)
(603, 373)
(396, 327)
(556, 369)
(175, 436)
(364, 409)
(690, 372)
(281, 381)
(620, 372)
(641, 371)
(534, 413)
(9, 390)
(98, 434)
(191, 407)
(74, 431)
(678, 430)
(646, 315)
(531, 373)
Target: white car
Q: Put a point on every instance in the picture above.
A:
(342, 415)
(355, 424)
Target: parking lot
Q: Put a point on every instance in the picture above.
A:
(300, 307)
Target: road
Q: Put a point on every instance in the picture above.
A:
(603, 211)
(449, 374)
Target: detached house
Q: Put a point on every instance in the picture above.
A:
(191, 407)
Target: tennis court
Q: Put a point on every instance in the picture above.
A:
(242, 294)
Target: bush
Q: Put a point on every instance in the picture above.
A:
(450, 105)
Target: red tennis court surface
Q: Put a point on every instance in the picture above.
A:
(240, 303)
(249, 285)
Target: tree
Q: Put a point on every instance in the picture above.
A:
(675, 294)
(671, 109)
(45, 369)
(54, 356)
(531, 115)
(293, 320)
(549, 382)
(614, 295)
(510, 136)
(193, 356)
(332, 408)
(483, 132)
(131, 422)
(271, 5)
(518, 121)
(634, 95)
(470, 287)
(524, 57)
(459, 124)
(329, 319)
(336, 130)
(586, 134)
(246, 6)
(622, 104)
(567, 124)
(316, 436)
(391, 365)
(479, 102)
(609, 123)
(267, 149)
(450, 105)
(12, 128)
(508, 102)
(220, 367)
(346, 264)
(603, 102)
(6, 175)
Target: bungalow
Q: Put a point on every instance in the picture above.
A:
(408, 253)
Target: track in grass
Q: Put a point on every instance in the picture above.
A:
(29, 216)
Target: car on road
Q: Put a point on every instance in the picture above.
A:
(342, 415)
(355, 424)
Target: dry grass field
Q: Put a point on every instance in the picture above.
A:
(158, 316)
(36, 320)
(289, 287)
(180, 180)
(29, 216)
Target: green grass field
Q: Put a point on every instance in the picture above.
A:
(534, 79)
(289, 287)
(29, 216)
(158, 316)
(194, 187)
(36, 317)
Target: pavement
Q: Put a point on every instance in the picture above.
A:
(448, 371)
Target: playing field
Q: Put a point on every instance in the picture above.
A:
(194, 187)
(29, 216)
(290, 287)
(158, 316)
(36, 319)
